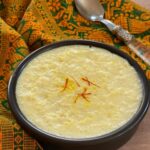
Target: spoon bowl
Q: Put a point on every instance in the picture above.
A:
(90, 9)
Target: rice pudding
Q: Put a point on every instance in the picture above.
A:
(78, 91)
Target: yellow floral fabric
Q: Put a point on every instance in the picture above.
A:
(26, 25)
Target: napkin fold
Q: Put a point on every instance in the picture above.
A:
(26, 25)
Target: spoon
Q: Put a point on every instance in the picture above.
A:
(94, 11)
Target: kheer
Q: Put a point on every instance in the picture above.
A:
(78, 91)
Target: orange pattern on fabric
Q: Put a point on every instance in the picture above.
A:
(29, 24)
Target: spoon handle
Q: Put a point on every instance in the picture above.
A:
(141, 50)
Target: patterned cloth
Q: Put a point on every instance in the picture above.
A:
(26, 25)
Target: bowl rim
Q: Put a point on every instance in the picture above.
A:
(45, 136)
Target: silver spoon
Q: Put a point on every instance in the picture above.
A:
(94, 11)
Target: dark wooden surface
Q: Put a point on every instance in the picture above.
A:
(141, 139)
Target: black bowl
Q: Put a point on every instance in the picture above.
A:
(109, 141)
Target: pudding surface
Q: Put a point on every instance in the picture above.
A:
(78, 91)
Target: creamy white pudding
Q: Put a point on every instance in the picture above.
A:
(78, 91)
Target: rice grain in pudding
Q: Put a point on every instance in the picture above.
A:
(78, 91)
